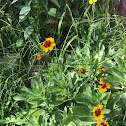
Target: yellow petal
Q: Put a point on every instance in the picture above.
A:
(108, 85)
(53, 43)
(50, 48)
(95, 1)
(51, 39)
(100, 106)
(90, 1)
(45, 50)
(42, 46)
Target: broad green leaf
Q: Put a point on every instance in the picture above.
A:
(34, 83)
(58, 116)
(107, 111)
(52, 12)
(55, 90)
(81, 111)
(28, 31)
(69, 119)
(19, 42)
(18, 98)
(23, 13)
(25, 89)
(123, 96)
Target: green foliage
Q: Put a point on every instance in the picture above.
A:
(51, 92)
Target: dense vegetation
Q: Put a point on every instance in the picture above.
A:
(60, 61)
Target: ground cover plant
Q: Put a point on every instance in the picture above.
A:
(62, 63)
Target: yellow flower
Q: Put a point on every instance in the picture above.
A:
(102, 70)
(98, 112)
(48, 44)
(102, 123)
(103, 87)
(92, 1)
(40, 56)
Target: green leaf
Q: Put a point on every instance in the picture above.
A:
(123, 96)
(58, 116)
(25, 89)
(14, 1)
(18, 98)
(28, 31)
(52, 12)
(34, 83)
(55, 90)
(23, 13)
(19, 42)
(55, 2)
(69, 119)
(107, 111)
(81, 111)
(78, 52)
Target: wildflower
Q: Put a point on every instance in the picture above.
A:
(102, 70)
(102, 123)
(48, 44)
(81, 71)
(92, 1)
(104, 87)
(98, 112)
(40, 56)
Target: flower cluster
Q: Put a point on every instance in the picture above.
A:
(92, 1)
(103, 87)
(98, 115)
(102, 70)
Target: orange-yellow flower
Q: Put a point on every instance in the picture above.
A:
(102, 123)
(92, 1)
(81, 71)
(103, 87)
(102, 70)
(40, 56)
(98, 112)
(101, 81)
(48, 44)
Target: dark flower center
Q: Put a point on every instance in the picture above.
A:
(47, 43)
(104, 85)
(103, 124)
(98, 112)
